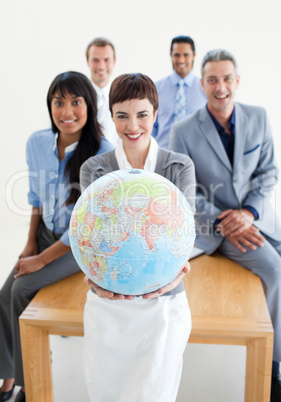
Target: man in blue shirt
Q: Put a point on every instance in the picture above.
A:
(180, 93)
(232, 148)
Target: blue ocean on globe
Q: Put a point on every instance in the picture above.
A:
(132, 231)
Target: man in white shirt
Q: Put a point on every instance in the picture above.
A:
(101, 60)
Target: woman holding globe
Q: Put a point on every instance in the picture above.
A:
(54, 157)
(133, 345)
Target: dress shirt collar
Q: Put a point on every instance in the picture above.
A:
(102, 91)
(226, 139)
(151, 159)
(188, 79)
(219, 127)
(68, 149)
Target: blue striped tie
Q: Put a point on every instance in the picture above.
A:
(180, 103)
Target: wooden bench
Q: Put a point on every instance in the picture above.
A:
(228, 307)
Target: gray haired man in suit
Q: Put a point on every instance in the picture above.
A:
(231, 146)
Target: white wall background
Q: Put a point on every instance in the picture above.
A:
(41, 39)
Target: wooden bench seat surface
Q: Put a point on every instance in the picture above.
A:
(227, 303)
(217, 289)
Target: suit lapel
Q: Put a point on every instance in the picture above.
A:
(241, 129)
(209, 130)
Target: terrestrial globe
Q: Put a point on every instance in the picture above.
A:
(132, 231)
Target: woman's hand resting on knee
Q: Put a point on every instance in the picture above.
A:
(33, 263)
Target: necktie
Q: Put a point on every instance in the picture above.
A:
(102, 102)
(180, 103)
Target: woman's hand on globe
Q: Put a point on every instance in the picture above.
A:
(170, 286)
(106, 294)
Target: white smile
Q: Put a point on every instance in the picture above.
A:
(134, 135)
(68, 121)
(221, 96)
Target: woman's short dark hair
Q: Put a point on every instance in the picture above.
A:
(133, 86)
(74, 83)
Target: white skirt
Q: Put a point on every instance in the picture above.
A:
(133, 349)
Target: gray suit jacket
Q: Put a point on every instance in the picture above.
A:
(219, 185)
(177, 168)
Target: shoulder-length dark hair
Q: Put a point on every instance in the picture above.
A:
(74, 83)
(133, 86)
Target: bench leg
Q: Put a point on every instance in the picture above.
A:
(258, 369)
(36, 363)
